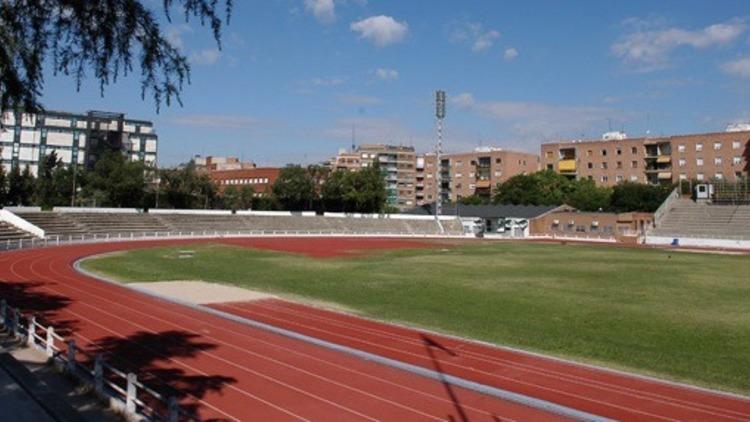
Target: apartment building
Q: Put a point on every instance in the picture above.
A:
(470, 173)
(260, 179)
(654, 160)
(211, 163)
(25, 139)
(397, 164)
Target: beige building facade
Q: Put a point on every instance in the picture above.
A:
(470, 173)
(653, 160)
(397, 164)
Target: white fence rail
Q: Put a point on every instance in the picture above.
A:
(12, 244)
(123, 388)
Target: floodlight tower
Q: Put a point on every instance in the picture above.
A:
(440, 115)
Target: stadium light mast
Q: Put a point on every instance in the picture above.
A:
(440, 115)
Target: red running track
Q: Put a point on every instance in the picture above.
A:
(227, 370)
(605, 393)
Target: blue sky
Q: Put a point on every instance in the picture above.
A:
(294, 76)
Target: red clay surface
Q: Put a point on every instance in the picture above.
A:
(224, 369)
(601, 392)
(328, 247)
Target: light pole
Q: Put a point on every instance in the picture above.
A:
(440, 115)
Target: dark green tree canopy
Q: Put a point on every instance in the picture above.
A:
(550, 188)
(295, 189)
(104, 37)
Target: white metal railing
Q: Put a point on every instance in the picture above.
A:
(664, 207)
(55, 240)
(130, 395)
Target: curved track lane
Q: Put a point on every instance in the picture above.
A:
(226, 370)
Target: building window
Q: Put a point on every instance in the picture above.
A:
(618, 178)
(605, 179)
(619, 151)
(699, 176)
(735, 144)
(548, 154)
(736, 160)
(682, 162)
(550, 167)
(604, 165)
(699, 146)
(633, 178)
(719, 176)
(498, 160)
(604, 152)
(634, 150)
(683, 176)
(717, 146)
(681, 148)
(634, 164)
(717, 161)
(699, 161)
(590, 165)
(619, 164)
(589, 153)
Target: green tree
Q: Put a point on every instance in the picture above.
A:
(47, 193)
(187, 188)
(630, 196)
(540, 188)
(20, 186)
(295, 189)
(103, 36)
(586, 196)
(3, 187)
(361, 191)
(332, 191)
(116, 182)
(474, 200)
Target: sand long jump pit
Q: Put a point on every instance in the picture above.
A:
(201, 292)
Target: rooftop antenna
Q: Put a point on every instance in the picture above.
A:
(354, 136)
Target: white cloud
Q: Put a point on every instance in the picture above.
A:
(215, 121)
(381, 30)
(386, 74)
(207, 56)
(358, 100)
(537, 121)
(173, 34)
(738, 67)
(328, 82)
(510, 54)
(474, 35)
(650, 49)
(323, 10)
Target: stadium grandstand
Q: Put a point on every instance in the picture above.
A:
(81, 224)
(717, 215)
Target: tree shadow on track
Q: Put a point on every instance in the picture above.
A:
(31, 300)
(158, 361)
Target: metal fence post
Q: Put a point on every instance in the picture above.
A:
(131, 393)
(99, 374)
(30, 340)
(15, 323)
(4, 312)
(174, 409)
(50, 341)
(71, 356)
